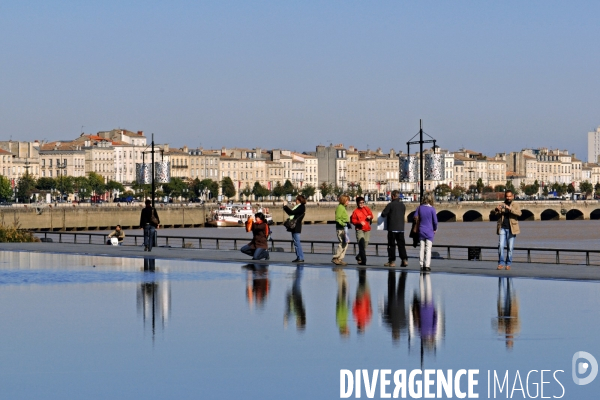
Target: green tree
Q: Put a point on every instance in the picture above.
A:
(359, 190)
(25, 188)
(259, 191)
(326, 189)
(278, 190)
(247, 191)
(114, 186)
(198, 187)
(46, 184)
(96, 183)
(586, 187)
(337, 191)
(500, 188)
(530, 190)
(571, 188)
(82, 187)
(175, 188)
(288, 187)
(5, 188)
(545, 191)
(511, 187)
(536, 185)
(480, 185)
(597, 188)
(458, 191)
(228, 187)
(443, 190)
(488, 189)
(308, 191)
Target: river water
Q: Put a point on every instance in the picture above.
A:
(82, 327)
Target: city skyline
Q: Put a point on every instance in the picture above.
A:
(479, 75)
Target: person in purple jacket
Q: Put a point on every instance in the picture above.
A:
(428, 223)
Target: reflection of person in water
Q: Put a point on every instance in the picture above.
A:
(361, 310)
(394, 313)
(508, 323)
(294, 303)
(153, 298)
(425, 316)
(342, 303)
(257, 284)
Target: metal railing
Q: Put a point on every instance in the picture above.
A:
(449, 252)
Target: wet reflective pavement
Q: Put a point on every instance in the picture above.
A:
(105, 327)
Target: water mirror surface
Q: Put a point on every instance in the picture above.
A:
(99, 327)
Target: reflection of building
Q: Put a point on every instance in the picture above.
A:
(426, 318)
(507, 324)
(153, 298)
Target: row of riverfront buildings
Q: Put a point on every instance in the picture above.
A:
(114, 154)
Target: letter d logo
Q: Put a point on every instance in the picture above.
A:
(582, 368)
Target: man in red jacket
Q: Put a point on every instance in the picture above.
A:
(361, 219)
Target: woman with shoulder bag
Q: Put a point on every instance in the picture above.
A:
(427, 221)
(294, 224)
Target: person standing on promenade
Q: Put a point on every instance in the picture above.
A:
(394, 212)
(508, 214)
(296, 215)
(427, 221)
(361, 219)
(149, 222)
(342, 222)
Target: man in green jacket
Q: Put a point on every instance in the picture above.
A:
(342, 222)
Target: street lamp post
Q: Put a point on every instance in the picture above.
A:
(420, 142)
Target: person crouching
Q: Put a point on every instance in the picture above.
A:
(258, 247)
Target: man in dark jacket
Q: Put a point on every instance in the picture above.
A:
(394, 212)
(148, 225)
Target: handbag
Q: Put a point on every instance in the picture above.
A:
(290, 224)
(153, 219)
(414, 230)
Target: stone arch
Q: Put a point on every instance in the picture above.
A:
(549, 214)
(526, 215)
(574, 214)
(472, 216)
(446, 216)
(595, 214)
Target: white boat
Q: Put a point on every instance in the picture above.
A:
(234, 215)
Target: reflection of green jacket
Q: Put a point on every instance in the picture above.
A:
(341, 314)
(341, 217)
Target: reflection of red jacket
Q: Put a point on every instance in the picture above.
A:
(359, 219)
(361, 310)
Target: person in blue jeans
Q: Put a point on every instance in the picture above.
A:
(258, 248)
(297, 213)
(508, 214)
(149, 222)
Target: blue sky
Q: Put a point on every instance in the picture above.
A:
(490, 76)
